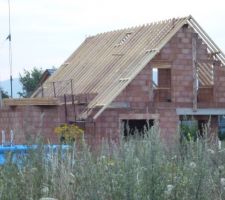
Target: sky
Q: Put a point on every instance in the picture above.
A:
(46, 32)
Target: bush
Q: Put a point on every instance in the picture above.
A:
(138, 168)
(69, 133)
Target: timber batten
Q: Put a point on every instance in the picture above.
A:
(31, 102)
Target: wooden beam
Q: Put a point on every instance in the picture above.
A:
(204, 75)
(140, 64)
(211, 44)
(161, 64)
(31, 102)
(194, 65)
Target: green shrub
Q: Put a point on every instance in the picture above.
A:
(138, 168)
(189, 130)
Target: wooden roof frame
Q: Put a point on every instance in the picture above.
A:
(114, 68)
(203, 35)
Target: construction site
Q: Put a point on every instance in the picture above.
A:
(107, 84)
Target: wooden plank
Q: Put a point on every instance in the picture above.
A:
(202, 79)
(140, 63)
(161, 64)
(207, 79)
(212, 46)
(31, 102)
(207, 69)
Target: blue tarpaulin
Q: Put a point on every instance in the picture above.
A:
(21, 150)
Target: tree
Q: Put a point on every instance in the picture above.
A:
(29, 81)
(4, 94)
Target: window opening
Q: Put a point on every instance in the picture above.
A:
(133, 127)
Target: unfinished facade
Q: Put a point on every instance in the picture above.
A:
(167, 72)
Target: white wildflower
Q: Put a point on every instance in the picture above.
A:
(211, 151)
(219, 145)
(45, 190)
(71, 178)
(174, 157)
(34, 170)
(192, 165)
(222, 182)
(169, 189)
(102, 158)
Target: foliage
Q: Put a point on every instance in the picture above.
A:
(30, 80)
(221, 134)
(189, 131)
(140, 168)
(69, 132)
(4, 93)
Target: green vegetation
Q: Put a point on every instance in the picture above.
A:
(138, 168)
(30, 80)
(69, 133)
(4, 93)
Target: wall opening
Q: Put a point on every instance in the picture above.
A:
(221, 127)
(136, 126)
(161, 80)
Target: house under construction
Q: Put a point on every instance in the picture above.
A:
(165, 72)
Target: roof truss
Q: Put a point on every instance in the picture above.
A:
(206, 79)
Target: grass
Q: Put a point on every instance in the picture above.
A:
(138, 168)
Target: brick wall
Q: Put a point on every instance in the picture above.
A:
(219, 85)
(31, 121)
(178, 52)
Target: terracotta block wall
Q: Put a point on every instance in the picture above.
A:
(205, 95)
(29, 122)
(219, 84)
(164, 78)
(12, 119)
(168, 123)
(178, 51)
(136, 94)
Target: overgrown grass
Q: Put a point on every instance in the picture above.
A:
(138, 168)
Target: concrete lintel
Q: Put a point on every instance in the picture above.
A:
(119, 105)
(201, 111)
(139, 116)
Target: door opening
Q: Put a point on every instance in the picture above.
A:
(136, 126)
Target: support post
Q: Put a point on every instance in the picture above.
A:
(71, 86)
(72, 95)
(195, 76)
(53, 83)
(65, 108)
(42, 91)
(0, 98)
(3, 137)
(74, 109)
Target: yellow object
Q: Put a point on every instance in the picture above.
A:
(69, 133)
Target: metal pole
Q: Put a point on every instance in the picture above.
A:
(10, 50)
(53, 83)
(42, 91)
(73, 104)
(71, 86)
(0, 97)
(65, 108)
(3, 137)
(11, 137)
